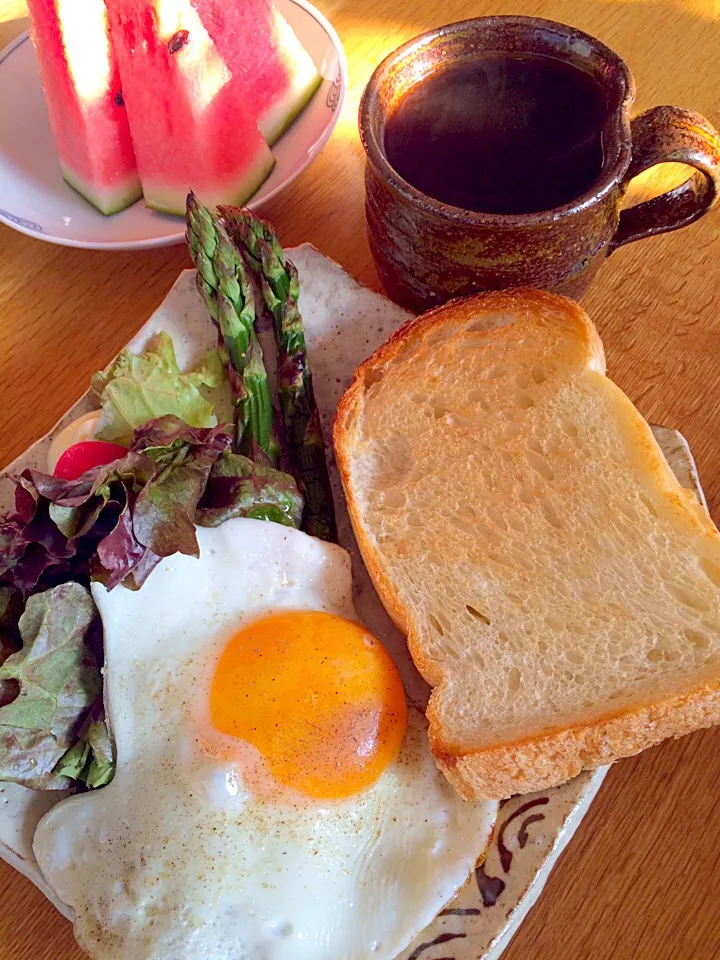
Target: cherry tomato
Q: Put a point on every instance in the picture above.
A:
(83, 456)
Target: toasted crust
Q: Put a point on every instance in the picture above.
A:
(551, 756)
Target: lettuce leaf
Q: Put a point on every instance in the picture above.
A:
(135, 389)
(91, 760)
(101, 768)
(239, 487)
(115, 522)
(58, 674)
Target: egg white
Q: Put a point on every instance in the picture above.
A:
(178, 857)
(77, 431)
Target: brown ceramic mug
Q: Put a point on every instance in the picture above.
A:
(427, 251)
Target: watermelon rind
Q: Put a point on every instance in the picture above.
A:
(172, 199)
(304, 80)
(285, 112)
(111, 199)
(82, 90)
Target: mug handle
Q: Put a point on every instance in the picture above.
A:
(671, 135)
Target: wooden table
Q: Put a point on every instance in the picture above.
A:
(641, 880)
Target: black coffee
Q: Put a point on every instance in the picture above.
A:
(500, 134)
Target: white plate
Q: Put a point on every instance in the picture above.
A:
(35, 200)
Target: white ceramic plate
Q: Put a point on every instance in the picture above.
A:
(35, 200)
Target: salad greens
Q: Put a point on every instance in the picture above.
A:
(91, 760)
(115, 522)
(134, 389)
(239, 487)
(57, 671)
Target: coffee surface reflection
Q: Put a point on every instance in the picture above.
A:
(500, 133)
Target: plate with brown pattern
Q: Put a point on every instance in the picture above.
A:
(345, 323)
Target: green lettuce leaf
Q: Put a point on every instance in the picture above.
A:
(238, 487)
(101, 769)
(58, 673)
(91, 760)
(135, 389)
(74, 763)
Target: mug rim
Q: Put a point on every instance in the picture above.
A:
(610, 176)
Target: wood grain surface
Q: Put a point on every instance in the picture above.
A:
(641, 879)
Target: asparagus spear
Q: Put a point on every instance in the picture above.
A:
(223, 285)
(279, 280)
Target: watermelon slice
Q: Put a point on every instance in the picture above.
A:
(192, 126)
(266, 58)
(85, 101)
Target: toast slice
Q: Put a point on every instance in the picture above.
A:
(558, 588)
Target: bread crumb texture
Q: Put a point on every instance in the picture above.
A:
(560, 590)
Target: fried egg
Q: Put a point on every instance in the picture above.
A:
(275, 798)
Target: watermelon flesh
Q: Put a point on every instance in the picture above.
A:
(85, 101)
(191, 124)
(275, 71)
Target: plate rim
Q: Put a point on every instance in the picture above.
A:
(178, 236)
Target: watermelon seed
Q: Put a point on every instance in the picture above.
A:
(119, 99)
(178, 41)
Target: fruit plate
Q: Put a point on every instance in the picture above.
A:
(35, 200)
(345, 323)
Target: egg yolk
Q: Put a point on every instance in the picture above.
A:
(319, 698)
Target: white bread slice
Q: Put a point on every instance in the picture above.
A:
(558, 587)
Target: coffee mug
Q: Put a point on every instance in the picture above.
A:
(427, 251)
